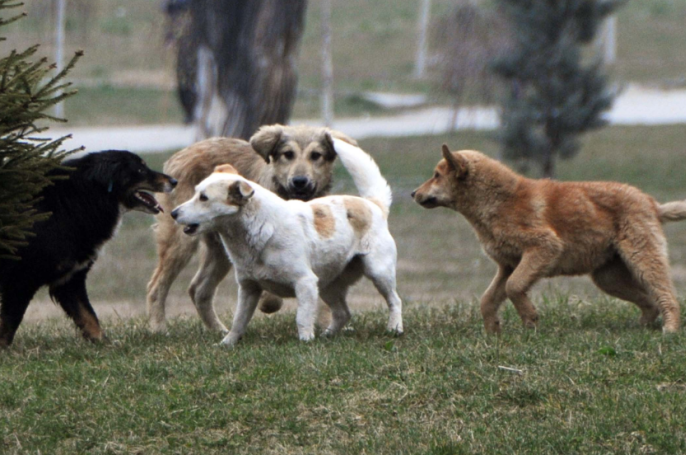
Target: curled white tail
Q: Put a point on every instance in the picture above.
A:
(365, 173)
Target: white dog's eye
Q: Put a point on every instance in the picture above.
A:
(203, 197)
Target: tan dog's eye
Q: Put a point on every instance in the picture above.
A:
(436, 175)
(315, 156)
(203, 197)
(289, 155)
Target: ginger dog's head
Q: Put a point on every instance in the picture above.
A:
(222, 194)
(466, 181)
(444, 188)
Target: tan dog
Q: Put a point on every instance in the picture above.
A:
(542, 228)
(296, 162)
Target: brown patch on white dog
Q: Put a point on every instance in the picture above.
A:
(324, 222)
(359, 215)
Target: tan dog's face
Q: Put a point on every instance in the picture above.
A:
(221, 194)
(302, 158)
(443, 188)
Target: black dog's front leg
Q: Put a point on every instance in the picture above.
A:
(72, 296)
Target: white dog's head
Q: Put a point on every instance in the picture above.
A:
(223, 193)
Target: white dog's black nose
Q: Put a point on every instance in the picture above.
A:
(175, 213)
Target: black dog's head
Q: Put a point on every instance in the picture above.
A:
(126, 176)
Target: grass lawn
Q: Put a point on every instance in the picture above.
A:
(589, 380)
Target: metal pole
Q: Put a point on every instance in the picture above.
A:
(59, 46)
(423, 43)
(611, 40)
(327, 65)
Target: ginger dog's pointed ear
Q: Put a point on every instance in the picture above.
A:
(264, 141)
(225, 169)
(455, 161)
(240, 192)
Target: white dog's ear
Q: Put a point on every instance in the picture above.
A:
(264, 141)
(456, 161)
(240, 192)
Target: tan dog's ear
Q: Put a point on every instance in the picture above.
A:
(225, 169)
(328, 143)
(240, 192)
(343, 137)
(329, 136)
(455, 161)
(264, 141)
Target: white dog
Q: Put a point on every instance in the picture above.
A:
(300, 249)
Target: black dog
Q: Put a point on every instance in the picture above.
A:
(86, 209)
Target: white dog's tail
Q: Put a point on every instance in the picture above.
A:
(365, 173)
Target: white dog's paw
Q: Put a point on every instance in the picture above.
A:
(395, 329)
(230, 340)
(306, 336)
(395, 324)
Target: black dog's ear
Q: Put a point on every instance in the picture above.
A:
(455, 161)
(264, 141)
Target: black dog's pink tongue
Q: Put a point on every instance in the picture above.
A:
(150, 200)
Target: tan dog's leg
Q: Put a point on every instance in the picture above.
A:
(334, 296)
(615, 279)
(494, 296)
(645, 254)
(174, 251)
(248, 294)
(530, 269)
(214, 265)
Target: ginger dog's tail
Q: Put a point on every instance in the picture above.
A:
(672, 211)
(365, 173)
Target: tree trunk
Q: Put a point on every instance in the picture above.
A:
(246, 53)
(548, 165)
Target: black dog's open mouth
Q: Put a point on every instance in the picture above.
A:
(148, 201)
(191, 229)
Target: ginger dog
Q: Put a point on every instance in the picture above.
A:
(535, 229)
(300, 249)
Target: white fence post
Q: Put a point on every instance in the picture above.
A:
(59, 47)
(327, 98)
(423, 42)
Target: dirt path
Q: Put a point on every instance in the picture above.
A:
(634, 106)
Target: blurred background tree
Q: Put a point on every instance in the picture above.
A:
(27, 91)
(466, 40)
(553, 95)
